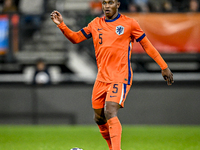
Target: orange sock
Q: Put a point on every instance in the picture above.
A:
(115, 130)
(104, 130)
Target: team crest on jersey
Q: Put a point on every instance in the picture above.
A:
(120, 30)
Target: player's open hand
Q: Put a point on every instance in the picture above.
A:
(168, 76)
(56, 17)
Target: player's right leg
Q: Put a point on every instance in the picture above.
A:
(103, 126)
(98, 102)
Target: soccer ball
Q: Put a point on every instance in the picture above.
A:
(76, 149)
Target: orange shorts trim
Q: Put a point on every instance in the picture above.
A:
(114, 92)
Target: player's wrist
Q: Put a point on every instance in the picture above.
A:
(164, 68)
(60, 24)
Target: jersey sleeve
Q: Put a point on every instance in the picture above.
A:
(137, 32)
(74, 37)
(87, 31)
(153, 53)
(140, 36)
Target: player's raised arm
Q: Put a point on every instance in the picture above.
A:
(74, 37)
(154, 54)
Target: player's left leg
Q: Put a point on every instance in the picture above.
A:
(115, 128)
(115, 99)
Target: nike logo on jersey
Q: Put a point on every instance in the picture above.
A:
(100, 29)
(112, 96)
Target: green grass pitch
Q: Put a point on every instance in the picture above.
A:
(89, 138)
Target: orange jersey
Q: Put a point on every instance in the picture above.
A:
(112, 42)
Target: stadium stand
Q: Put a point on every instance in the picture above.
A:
(48, 43)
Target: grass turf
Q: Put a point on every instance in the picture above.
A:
(89, 138)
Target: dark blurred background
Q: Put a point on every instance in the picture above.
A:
(45, 79)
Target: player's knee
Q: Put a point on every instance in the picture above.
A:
(110, 114)
(99, 119)
(111, 109)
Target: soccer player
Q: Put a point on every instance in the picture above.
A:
(113, 36)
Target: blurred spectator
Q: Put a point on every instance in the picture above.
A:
(28, 7)
(133, 8)
(180, 5)
(31, 15)
(41, 75)
(156, 5)
(142, 4)
(32, 11)
(194, 6)
(167, 6)
(124, 5)
(96, 7)
(9, 6)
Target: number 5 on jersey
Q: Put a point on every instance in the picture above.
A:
(100, 38)
(115, 88)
